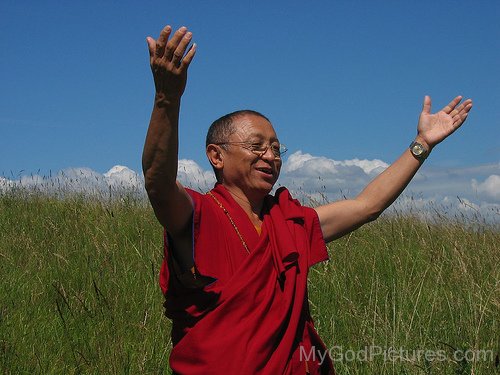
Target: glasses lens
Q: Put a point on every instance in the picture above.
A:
(278, 150)
(261, 149)
(283, 149)
(275, 150)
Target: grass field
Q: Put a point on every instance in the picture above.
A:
(79, 292)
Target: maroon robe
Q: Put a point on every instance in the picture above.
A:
(245, 313)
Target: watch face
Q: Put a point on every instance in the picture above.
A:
(417, 149)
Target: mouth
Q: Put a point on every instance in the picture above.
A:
(266, 170)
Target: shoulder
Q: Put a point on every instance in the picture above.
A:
(284, 199)
(194, 194)
(197, 197)
(307, 217)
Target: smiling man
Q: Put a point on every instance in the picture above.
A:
(236, 259)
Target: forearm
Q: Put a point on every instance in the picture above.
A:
(387, 186)
(159, 158)
(342, 217)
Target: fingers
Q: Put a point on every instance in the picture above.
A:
(181, 48)
(451, 106)
(189, 56)
(173, 50)
(427, 105)
(460, 113)
(162, 41)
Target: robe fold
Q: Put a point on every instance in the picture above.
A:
(245, 313)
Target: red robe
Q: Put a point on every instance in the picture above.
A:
(246, 313)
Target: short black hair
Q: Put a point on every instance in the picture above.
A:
(223, 127)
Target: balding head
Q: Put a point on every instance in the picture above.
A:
(222, 128)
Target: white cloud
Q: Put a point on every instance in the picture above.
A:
(368, 166)
(319, 164)
(79, 180)
(312, 179)
(123, 178)
(117, 180)
(193, 176)
(312, 174)
(490, 186)
(433, 191)
(467, 205)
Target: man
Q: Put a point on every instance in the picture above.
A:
(236, 258)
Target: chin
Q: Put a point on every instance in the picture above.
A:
(266, 188)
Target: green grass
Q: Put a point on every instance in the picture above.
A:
(79, 291)
(399, 283)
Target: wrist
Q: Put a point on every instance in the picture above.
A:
(423, 142)
(419, 149)
(164, 101)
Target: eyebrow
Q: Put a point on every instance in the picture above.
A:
(259, 137)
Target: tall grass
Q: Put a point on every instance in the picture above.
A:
(79, 291)
(400, 286)
(79, 287)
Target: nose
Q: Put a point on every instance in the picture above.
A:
(268, 154)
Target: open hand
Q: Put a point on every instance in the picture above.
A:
(170, 61)
(434, 128)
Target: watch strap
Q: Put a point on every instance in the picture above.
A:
(422, 156)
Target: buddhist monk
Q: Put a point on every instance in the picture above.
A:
(236, 258)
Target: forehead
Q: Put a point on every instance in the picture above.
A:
(253, 127)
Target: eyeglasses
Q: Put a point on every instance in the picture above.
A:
(260, 149)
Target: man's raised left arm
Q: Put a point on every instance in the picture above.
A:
(342, 217)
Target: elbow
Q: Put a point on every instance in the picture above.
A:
(373, 216)
(156, 192)
(156, 187)
(153, 193)
(369, 208)
(150, 184)
(372, 213)
(159, 188)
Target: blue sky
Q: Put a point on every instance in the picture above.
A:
(339, 79)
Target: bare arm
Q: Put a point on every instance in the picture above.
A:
(342, 217)
(171, 203)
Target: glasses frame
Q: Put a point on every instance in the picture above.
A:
(260, 153)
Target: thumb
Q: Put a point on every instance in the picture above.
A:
(427, 105)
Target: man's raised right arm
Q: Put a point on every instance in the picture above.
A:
(171, 203)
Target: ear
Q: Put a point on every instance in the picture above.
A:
(214, 155)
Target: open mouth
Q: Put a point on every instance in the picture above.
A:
(266, 170)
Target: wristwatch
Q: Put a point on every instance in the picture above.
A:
(418, 150)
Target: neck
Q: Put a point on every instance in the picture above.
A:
(253, 208)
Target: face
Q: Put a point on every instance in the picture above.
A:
(252, 174)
